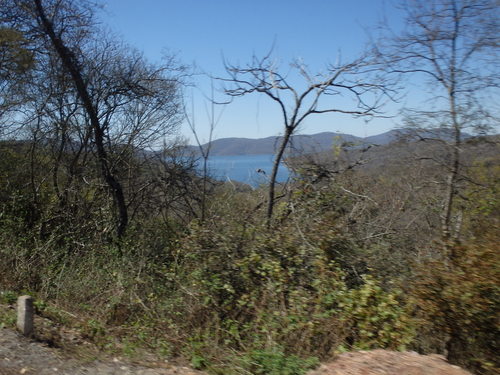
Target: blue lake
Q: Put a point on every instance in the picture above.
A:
(243, 168)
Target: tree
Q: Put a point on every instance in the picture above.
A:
(351, 80)
(204, 149)
(92, 94)
(71, 64)
(453, 44)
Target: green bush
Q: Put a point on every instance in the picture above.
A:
(275, 362)
(378, 319)
(459, 300)
(254, 288)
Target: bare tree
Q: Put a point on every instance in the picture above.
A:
(453, 44)
(213, 118)
(355, 81)
(54, 32)
(92, 92)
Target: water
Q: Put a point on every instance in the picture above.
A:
(244, 168)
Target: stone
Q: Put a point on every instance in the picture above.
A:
(25, 315)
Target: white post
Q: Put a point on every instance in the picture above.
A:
(25, 315)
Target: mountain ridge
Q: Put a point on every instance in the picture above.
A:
(308, 143)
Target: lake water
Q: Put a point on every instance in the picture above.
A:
(243, 168)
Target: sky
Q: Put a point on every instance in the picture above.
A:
(204, 33)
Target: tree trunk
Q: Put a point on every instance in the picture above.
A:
(453, 172)
(274, 173)
(71, 65)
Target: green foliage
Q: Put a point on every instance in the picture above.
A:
(461, 298)
(7, 316)
(93, 329)
(235, 297)
(15, 58)
(7, 320)
(261, 288)
(8, 297)
(275, 362)
(378, 319)
(458, 292)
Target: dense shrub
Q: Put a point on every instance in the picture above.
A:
(235, 296)
(258, 289)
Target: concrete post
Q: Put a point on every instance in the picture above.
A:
(25, 315)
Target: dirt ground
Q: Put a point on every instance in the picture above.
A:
(61, 350)
(20, 355)
(384, 362)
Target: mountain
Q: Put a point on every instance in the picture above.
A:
(301, 143)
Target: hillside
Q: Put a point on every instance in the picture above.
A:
(342, 266)
(402, 153)
(312, 143)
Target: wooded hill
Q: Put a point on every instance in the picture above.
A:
(313, 143)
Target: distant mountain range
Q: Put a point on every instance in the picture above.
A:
(312, 143)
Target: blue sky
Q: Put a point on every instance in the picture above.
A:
(202, 32)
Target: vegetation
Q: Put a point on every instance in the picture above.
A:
(102, 218)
